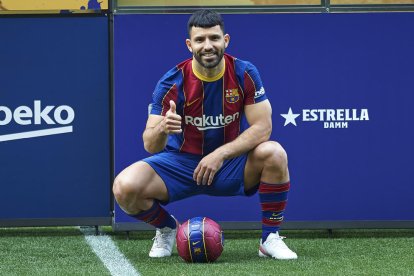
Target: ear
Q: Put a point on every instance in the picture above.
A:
(226, 40)
(188, 42)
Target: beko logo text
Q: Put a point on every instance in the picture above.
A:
(39, 115)
(24, 115)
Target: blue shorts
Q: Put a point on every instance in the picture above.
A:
(177, 169)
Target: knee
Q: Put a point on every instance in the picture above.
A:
(272, 154)
(125, 188)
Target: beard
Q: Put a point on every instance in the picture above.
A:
(209, 63)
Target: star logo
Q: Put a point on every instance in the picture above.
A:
(290, 117)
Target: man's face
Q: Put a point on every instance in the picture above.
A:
(207, 45)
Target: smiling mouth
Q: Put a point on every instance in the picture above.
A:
(209, 55)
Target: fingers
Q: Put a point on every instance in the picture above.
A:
(196, 173)
(210, 178)
(173, 107)
(203, 175)
(208, 166)
(173, 116)
(172, 113)
(172, 121)
(172, 126)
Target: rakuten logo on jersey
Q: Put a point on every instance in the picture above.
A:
(210, 122)
(24, 115)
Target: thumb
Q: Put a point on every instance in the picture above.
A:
(172, 107)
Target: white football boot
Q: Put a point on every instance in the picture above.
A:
(275, 247)
(163, 241)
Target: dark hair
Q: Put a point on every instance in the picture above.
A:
(205, 19)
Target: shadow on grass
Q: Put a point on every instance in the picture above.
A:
(349, 233)
(133, 235)
(234, 257)
(229, 234)
(295, 234)
(291, 234)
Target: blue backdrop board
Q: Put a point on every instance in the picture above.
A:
(54, 122)
(341, 90)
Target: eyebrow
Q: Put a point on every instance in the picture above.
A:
(212, 35)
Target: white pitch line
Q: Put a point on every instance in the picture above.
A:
(108, 252)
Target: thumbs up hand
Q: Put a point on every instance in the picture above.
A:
(173, 107)
(172, 121)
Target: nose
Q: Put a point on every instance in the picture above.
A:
(207, 45)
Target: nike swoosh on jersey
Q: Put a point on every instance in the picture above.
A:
(194, 243)
(188, 104)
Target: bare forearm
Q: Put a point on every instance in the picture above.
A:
(155, 139)
(159, 127)
(248, 140)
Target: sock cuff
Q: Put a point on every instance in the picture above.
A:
(261, 182)
(273, 188)
(270, 222)
(153, 208)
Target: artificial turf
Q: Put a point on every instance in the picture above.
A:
(349, 252)
(64, 251)
(47, 251)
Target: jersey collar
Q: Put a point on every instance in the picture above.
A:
(204, 78)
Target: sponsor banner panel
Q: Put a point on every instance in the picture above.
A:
(54, 118)
(214, 2)
(340, 86)
(45, 5)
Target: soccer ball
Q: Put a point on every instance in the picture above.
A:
(200, 240)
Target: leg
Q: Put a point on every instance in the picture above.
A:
(267, 164)
(136, 187)
(137, 190)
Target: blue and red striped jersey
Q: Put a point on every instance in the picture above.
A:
(211, 108)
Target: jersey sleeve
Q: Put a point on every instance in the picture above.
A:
(165, 90)
(253, 86)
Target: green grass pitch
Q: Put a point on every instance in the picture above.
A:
(64, 251)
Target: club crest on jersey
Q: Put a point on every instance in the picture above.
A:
(232, 95)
